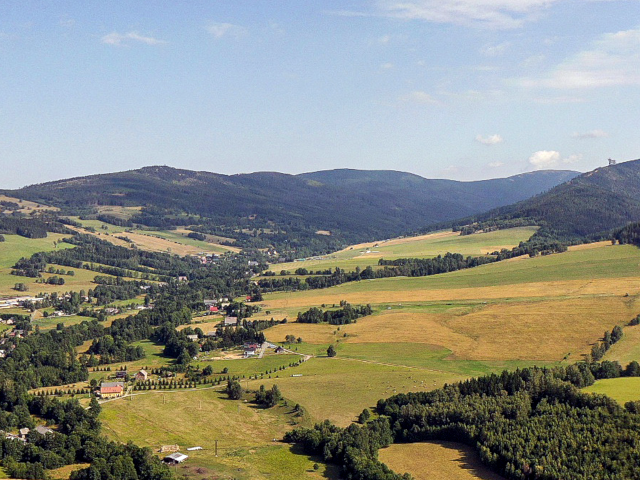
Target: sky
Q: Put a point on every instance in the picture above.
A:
(460, 89)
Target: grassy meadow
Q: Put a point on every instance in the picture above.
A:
(423, 246)
(445, 460)
(622, 390)
(247, 435)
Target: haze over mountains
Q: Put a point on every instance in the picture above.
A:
(355, 203)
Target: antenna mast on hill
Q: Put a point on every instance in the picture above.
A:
(612, 162)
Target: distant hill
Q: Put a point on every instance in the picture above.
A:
(354, 204)
(590, 204)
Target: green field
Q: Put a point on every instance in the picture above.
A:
(176, 237)
(245, 434)
(621, 390)
(416, 247)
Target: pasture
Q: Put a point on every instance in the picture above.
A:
(423, 246)
(446, 460)
(544, 311)
(622, 390)
(25, 207)
(245, 433)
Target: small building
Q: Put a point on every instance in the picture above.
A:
(111, 389)
(214, 309)
(279, 349)
(121, 374)
(183, 278)
(175, 458)
(142, 376)
(229, 321)
(209, 302)
(193, 338)
(211, 334)
(3, 353)
(24, 432)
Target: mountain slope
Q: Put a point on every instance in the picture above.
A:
(352, 203)
(590, 204)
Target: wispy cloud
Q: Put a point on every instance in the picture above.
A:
(220, 30)
(498, 14)
(119, 39)
(495, 50)
(489, 140)
(386, 66)
(497, 164)
(590, 134)
(543, 159)
(418, 97)
(612, 60)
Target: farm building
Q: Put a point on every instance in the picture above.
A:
(111, 389)
(250, 349)
(228, 321)
(142, 375)
(213, 309)
(175, 458)
(121, 374)
(193, 338)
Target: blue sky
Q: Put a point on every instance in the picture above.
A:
(461, 89)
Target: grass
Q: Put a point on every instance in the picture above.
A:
(446, 460)
(50, 323)
(627, 348)
(181, 238)
(622, 390)
(245, 434)
(431, 245)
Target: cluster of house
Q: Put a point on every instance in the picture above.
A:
(251, 349)
(117, 388)
(23, 432)
(206, 258)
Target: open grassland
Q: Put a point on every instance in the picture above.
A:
(424, 246)
(245, 433)
(606, 270)
(25, 206)
(50, 323)
(180, 236)
(541, 311)
(442, 460)
(622, 390)
(627, 349)
(339, 388)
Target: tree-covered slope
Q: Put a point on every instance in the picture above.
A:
(351, 203)
(590, 204)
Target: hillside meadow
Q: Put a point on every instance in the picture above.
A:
(423, 246)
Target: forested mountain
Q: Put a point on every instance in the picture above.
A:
(590, 204)
(352, 204)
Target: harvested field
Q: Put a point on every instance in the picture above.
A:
(436, 460)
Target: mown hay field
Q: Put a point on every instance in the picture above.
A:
(245, 433)
(423, 246)
(441, 460)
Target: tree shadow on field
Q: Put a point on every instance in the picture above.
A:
(331, 472)
(469, 460)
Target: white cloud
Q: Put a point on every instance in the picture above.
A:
(495, 50)
(489, 140)
(386, 66)
(418, 97)
(550, 158)
(612, 60)
(118, 39)
(220, 30)
(590, 134)
(544, 159)
(495, 164)
(500, 14)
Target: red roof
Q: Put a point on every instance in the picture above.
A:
(213, 309)
(117, 389)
